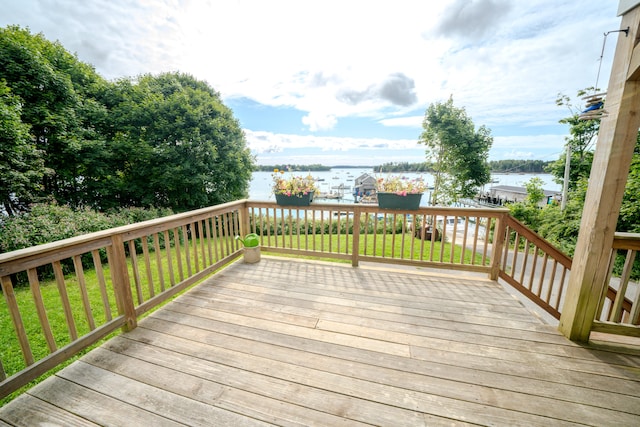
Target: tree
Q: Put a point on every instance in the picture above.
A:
(458, 150)
(56, 93)
(582, 136)
(21, 163)
(174, 144)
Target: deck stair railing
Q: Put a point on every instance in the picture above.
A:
(534, 267)
(619, 308)
(135, 268)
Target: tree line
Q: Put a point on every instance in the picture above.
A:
(71, 137)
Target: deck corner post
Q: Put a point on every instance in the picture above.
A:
(499, 238)
(617, 139)
(245, 224)
(355, 249)
(121, 283)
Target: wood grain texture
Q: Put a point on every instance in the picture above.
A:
(291, 342)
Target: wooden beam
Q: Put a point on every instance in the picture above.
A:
(611, 163)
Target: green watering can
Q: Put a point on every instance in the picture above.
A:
(251, 240)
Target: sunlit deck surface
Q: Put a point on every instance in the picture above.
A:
(309, 343)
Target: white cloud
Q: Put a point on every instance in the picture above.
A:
(316, 121)
(261, 141)
(409, 121)
(392, 59)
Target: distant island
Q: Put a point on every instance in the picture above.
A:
(497, 166)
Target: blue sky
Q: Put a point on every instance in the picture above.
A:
(348, 82)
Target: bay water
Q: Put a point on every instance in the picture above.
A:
(260, 188)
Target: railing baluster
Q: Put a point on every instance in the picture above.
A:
(147, 263)
(443, 238)
(195, 236)
(464, 239)
(545, 260)
(82, 285)
(215, 239)
(66, 306)
(167, 247)
(156, 248)
(561, 288)
(16, 318)
(177, 245)
(393, 235)
(207, 233)
(616, 314)
(534, 266)
(414, 218)
(476, 234)
(375, 233)
(34, 284)
(346, 233)
(298, 228)
(487, 235)
(453, 240)
(102, 284)
(203, 243)
(525, 259)
(136, 272)
(552, 280)
(306, 229)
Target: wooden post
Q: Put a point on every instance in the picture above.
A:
(355, 244)
(121, 283)
(499, 240)
(611, 163)
(245, 224)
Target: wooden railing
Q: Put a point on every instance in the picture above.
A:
(533, 266)
(452, 238)
(619, 309)
(137, 267)
(133, 268)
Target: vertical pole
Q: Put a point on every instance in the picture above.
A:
(499, 238)
(565, 184)
(121, 284)
(355, 242)
(612, 159)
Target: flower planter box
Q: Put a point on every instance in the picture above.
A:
(395, 201)
(295, 200)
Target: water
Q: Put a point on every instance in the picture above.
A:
(260, 187)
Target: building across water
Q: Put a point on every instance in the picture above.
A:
(502, 194)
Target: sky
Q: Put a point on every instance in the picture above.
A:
(348, 82)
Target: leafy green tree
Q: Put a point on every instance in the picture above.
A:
(458, 150)
(57, 96)
(581, 140)
(174, 144)
(21, 163)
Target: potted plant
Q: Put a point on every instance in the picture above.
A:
(395, 192)
(296, 190)
(251, 243)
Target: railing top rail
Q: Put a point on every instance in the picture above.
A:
(350, 207)
(539, 241)
(623, 240)
(123, 230)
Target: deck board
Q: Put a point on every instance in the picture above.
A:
(308, 343)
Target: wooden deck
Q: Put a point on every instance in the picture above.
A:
(307, 343)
